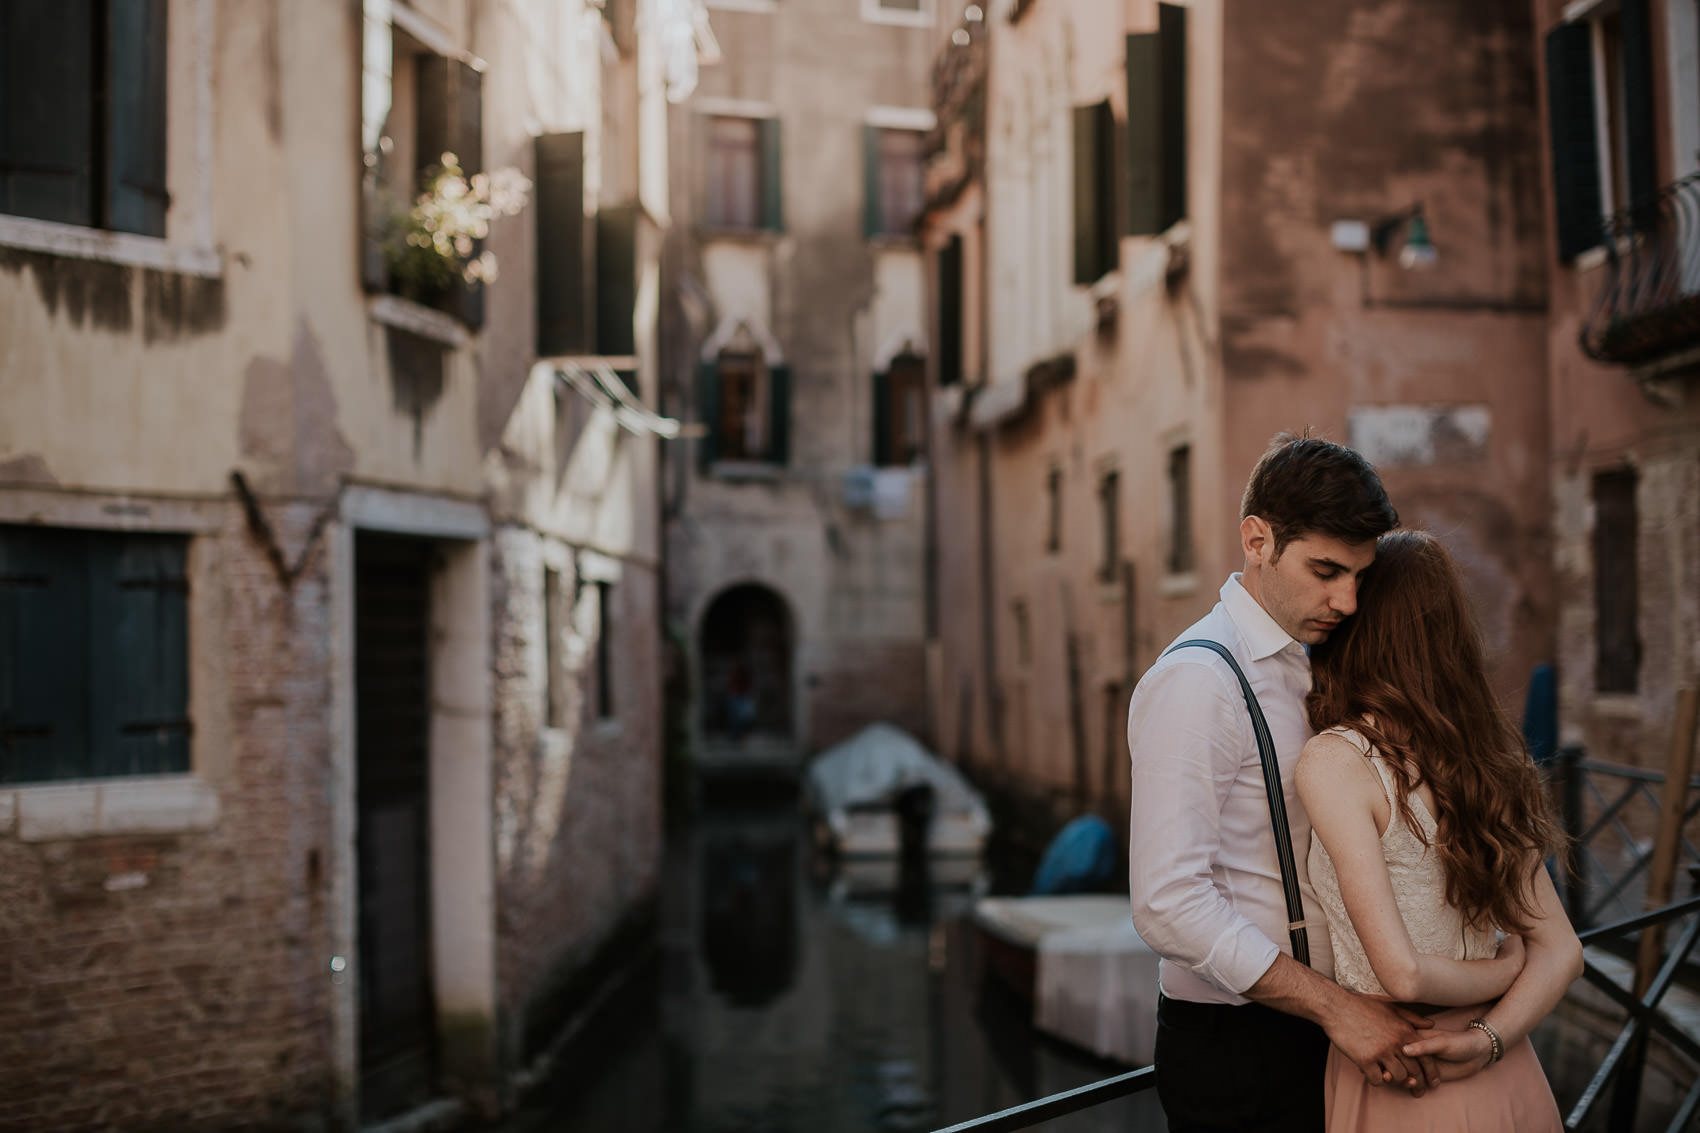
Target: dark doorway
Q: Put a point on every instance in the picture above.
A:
(392, 704)
(746, 664)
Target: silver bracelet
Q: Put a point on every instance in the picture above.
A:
(1496, 1047)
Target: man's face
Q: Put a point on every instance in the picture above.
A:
(1311, 585)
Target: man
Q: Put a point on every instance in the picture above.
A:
(1242, 1027)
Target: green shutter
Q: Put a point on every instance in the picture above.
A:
(1088, 261)
(616, 279)
(882, 418)
(1171, 32)
(779, 414)
(136, 194)
(564, 295)
(873, 220)
(708, 412)
(1575, 152)
(46, 124)
(772, 183)
(138, 656)
(44, 644)
(1144, 134)
(1156, 183)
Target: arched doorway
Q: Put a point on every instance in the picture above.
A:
(746, 648)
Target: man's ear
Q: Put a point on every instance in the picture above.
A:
(1257, 539)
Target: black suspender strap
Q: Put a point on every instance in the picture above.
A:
(1277, 800)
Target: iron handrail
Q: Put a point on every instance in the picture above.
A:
(1649, 303)
(1645, 1019)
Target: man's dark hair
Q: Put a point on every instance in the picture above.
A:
(1305, 485)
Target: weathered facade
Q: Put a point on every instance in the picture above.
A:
(330, 602)
(1164, 233)
(794, 335)
(1622, 86)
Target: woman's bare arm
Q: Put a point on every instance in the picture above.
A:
(1341, 793)
(1553, 960)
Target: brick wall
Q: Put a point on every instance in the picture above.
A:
(586, 792)
(856, 682)
(175, 980)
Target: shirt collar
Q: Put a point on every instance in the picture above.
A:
(1263, 636)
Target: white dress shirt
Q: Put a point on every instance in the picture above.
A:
(1205, 881)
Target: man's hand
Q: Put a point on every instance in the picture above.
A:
(1456, 1054)
(1378, 1036)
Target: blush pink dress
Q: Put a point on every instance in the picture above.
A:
(1512, 1095)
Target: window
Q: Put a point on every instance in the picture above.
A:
(83, 114)
(1110, 506)
(1600, 116)
(1180, 510)
(900, 411)
(94, 657)
(905, 13)
(1617, 606)
(893, 188)
(746, 405)
(743, 190)
(1053, 510)
(554, 621)
(950, 312)
(1023, 643)
(408, 82)
(604, 653)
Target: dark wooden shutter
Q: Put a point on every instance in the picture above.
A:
(882, 417)
(1575, 145)
(451, 120)
(136, 197)
(1640, 142)
(873, 220)
(46, 110)
(1171, 33)
(1617, 606)
(708, 412)
(1088, 201)
(950, 312)
(44, 646)
(772, 181)
(616, 279)
(1156, 124)
(139, 656)
(779, 414)
(565, 299)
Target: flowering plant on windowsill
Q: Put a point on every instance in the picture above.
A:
(430, 243)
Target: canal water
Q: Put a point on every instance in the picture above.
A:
(791, 996)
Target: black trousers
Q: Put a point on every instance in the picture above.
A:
(1238, 1069)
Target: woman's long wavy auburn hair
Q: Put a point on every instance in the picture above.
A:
(1407, 672)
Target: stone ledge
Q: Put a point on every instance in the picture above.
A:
(166, 804)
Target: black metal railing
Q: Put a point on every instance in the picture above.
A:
(1594, 884)
(1649, 304)
(1627, 1058)
(1601, 877)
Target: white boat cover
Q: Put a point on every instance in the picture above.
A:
(851, 782)
(1095, 981)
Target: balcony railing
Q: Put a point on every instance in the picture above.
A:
(1649, 305)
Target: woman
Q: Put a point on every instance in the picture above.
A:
(1430, 832)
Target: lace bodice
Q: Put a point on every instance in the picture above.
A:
(1419, 889)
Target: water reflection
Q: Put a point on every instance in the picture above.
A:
(789, 998)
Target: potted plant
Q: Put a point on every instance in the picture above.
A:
(431, 243)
